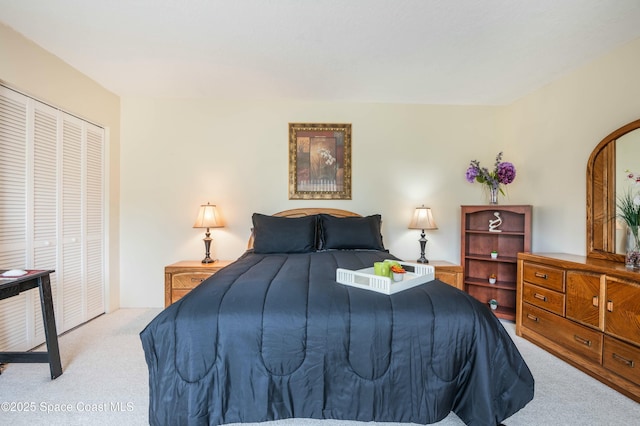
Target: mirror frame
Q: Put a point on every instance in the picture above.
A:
(601, 197)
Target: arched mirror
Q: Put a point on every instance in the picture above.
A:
(606, 181)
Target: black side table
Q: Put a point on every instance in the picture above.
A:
(10, 287)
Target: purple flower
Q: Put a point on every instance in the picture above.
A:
(503, 174)
(472, 173)
(506, 172)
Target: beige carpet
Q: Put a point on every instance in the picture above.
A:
(105, 383)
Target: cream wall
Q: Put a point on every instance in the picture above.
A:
(177, 154)
(552, 133)
(34, 71)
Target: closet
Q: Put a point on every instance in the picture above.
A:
(52, 214)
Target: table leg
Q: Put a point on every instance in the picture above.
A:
(49, 319)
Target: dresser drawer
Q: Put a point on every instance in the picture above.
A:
(578, 339)
(543, 298)
(544, 276)
(189, 280)
(622, 313)
(622, 358)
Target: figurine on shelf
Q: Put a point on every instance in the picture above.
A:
(494, 224)
(492, 278)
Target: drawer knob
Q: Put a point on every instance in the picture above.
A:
(623, 360)
(532, 317)
(541, 275)
(540, 296)
(581, 340)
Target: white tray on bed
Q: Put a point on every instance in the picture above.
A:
(416, 274)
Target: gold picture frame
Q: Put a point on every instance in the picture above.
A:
(319, 161)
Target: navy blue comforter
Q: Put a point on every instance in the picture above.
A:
(274, 336)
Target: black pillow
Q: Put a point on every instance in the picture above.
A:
(273, 234)
(350, 233)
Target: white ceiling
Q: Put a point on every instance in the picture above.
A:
(407, 51)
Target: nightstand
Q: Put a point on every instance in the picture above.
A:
(182, 277)
(448, 273)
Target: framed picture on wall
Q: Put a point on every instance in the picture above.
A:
(319, 161)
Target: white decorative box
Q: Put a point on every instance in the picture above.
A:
(417, 273)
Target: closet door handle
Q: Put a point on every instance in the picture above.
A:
(541, 275)
(595, 301)
(610, 305)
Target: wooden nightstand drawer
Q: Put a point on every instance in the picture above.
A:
(189, 280)
(576, 338)
(544, 276)
(622, 358)
(448, 273)
(543, 298)
(178, 294)
(182, 277)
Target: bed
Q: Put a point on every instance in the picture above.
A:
(274, 336)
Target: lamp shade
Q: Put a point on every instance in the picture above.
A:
(422, 219)
(208, 217)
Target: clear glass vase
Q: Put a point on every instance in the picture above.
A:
(493, 195)
(632, 259)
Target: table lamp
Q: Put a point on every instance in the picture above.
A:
(422, 219)
(208, 217)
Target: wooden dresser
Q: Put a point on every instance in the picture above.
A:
(182, 277)
(584, 311)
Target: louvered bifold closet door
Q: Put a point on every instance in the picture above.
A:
(52, 167)
(45, 204)
(94, 214)
(14, 312)
(82, 240)
(70, 276)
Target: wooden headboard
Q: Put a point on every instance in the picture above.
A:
(312, 211)
(308, 212)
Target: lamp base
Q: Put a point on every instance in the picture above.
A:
(207, 248)
(423, 243)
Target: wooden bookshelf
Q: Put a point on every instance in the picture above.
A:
(510, 237)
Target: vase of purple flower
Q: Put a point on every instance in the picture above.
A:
(503, 173)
